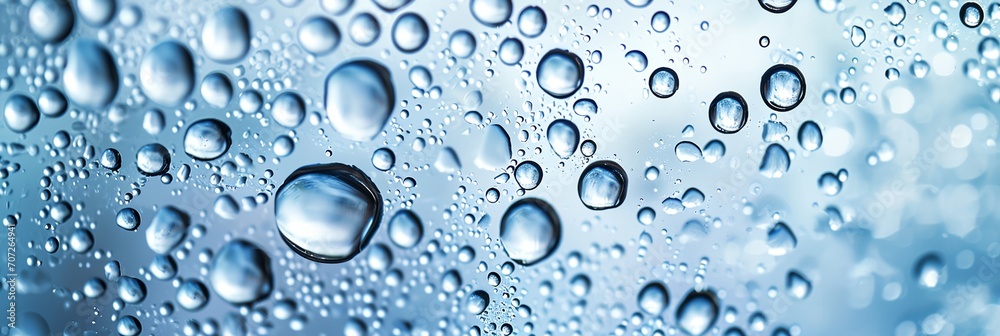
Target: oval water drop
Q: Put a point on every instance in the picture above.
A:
(166, 73)
(359, 99)
(728, 112)
(775, 162)
(225, 35)
(698, 312)
(405, 229)
(241, 273)
(560, 73)
(603, 185)
(410, 32)
(564, 137)
(91, 74)
(207, 139)
(782, 87)
(529, 231)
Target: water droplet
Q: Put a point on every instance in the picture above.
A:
(96, 13)
(714, 151)
(637, 60)
(383, 159)
(728, 112)
(528, 175)
(477, 302)
(327, 212)
(782, 87)
(359, 99)
(660, 22)
(531, 22)
(50, 20)
(152, 159)
(492, 13)
(131, 290)
(829, 184)
(971, 14)
(336, 7)
(52, 102)
(319, 36)
(494, 151)
(780, 240)
(775, 162)
(207, 139)
(225, 36)
(603, 185)
(687, 151)
(462, 44)
(857, 36)
(777, 6)
(560, 73)
(91, 76)
(167, 230)
(128, 219)
(529, 231)
(81, 240)
(391, 5)
(653, 298)
(288, 109)
(929, 271)
(20, 113)
(511, 51)
(895, 13)
(364, 29)
(166, 73)
(405, 229)
(128, 326)
(563, 137)
(698, 312)
(192, 295)
(217, 89)
(663, 82)
(241, 273)
(797, 285)
(646, 216)
(810, 136)
(410, 33)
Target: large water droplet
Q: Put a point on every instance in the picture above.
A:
(167, 73)
(698, 312)
(410, 32)
(225, 36)
(128, 219)
(971, 14)
(288, 109)
(663, 82)
(895, 13)
(20, 113)
(637, 60)
(492, 13)
(653, 298)
(241, 272)
(217, 89)
(207, 139)
(858, 36)
(477, 302)
(405, 229)
(560, 73)
(728, 112)
(50, 20)
(327, 212)
(96, 12)
(91, 76)
(775, 162)
(810, 136)
(462, 44)
(152, 159)
(511, 51)
(780, 240)
(167, 230)
(318, 36)
(494, 151)
(528, 175)
(529, 231)
(531, 22)
(563, 137)
(929, 271)
(782, 87)
(603, 185)
(192, 295)
(660, 22)
(359, 99)
(364, 29)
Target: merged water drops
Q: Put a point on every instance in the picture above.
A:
(529, 231)
(782, 87)
(559, 73)
(728, 112)
(359, 98)
(603, 185)
(327, 212)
